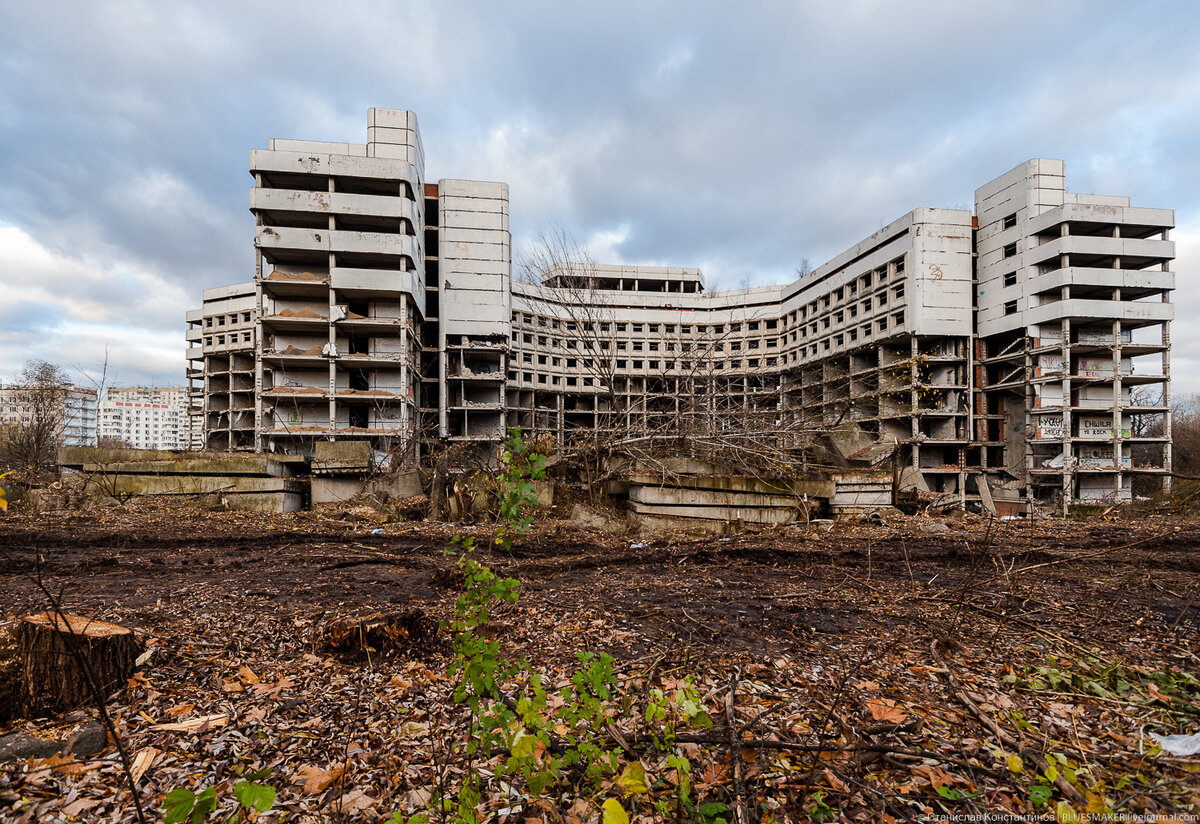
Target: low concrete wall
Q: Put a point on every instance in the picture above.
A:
(748, 514)
(335, 490)
(338, 489)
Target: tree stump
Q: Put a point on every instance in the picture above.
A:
(390, 632)
(63, 656)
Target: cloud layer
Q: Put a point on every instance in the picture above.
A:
(680, 133)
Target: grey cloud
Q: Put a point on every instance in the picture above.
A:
(745, 140)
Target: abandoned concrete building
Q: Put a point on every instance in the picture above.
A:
(1021, 349)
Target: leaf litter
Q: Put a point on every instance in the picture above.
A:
(880, 672)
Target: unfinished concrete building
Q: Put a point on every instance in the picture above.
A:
(222, 350)
(1019, 352)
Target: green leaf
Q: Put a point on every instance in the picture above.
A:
(613, 813)
(206, 802)
(1014, 764)
(1039, 794)
(949, 793)
(712, 809)
(177, 805)
(632, 780)
(250, 795)
(523, 745)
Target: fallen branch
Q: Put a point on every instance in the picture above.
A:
(741, 814)
(988, 722)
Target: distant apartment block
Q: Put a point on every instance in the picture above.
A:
(1022, 347)
(147, 417)
(75, 405)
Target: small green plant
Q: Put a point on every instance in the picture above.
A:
(543, 736)
(1092, 676)
(519, 468)
(821, 811)
(183, 805)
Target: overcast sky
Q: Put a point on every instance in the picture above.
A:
(739, 138)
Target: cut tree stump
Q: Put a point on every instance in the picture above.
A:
(60, 654)
(380, 632)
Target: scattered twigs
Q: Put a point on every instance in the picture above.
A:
(1087, 556)
(98, 698)
(741, 813)
(1009, 741)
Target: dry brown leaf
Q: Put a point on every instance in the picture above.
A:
(317, 780)
(65, 764)
(255, 715)
(79, 806)
(885, 709)
(935, 776)
(1154, 693)
(180, 709)
(355, 801)
(837, 784)
(1061, 710)
(275, 689)
(247, 676)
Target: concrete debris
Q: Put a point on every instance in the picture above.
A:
(595, 519)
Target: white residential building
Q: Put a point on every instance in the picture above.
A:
(145, 417)
(77, 407)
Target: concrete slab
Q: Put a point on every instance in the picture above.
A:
(335, 490)
(249, 466)
(706, 497)
(401, 485)
(77, 456)
(738, 483)
(188, 485)
(755, 515)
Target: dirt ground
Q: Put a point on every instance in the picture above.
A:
(1077, 638)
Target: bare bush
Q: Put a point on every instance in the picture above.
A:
(1185, 433)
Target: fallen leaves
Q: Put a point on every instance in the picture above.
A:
(317, 780)
(632, 780)
(204, 722)
(886, 710)
(235, 687)
(142, 762)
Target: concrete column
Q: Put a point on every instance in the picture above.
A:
(1169, 446)
(1030, 497)
(914, 401)
(332, 332)
(1068, 450)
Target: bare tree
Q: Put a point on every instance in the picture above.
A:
(562, 273)
(29, 443)
(100, 383)
(701, 389)
(1185, 435)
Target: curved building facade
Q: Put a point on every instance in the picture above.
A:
(1019, 352)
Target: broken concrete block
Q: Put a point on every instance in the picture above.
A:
(595, 519)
